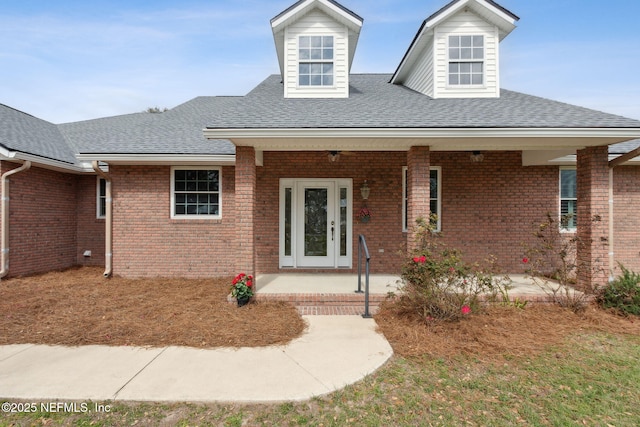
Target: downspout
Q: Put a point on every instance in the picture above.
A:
(108, 251)
(4, 259)
(611, 232)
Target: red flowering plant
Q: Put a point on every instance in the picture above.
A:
(438, 285)
(242, 287)
(364, 214)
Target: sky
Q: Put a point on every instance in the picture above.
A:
(72, 60)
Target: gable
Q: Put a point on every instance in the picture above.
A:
(426, 65)
(323, 21)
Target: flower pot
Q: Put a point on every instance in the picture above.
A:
(243, 301)
(365, 219)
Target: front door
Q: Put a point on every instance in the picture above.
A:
(315, 223)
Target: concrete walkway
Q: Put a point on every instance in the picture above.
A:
(334, 352)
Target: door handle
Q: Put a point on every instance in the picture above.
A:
(332, 230)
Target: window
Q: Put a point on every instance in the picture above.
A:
(315, 54)
(466, 60)
(101, 198)
(195, 193)
(435, 197)
(568, 199)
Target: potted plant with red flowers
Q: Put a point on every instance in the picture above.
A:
(365, 214)
(242, 288)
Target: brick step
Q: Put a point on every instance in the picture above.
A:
(326, 304)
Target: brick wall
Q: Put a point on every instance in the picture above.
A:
(383, 172)
(490, 207)
(147, 242)
(487, 207)
(245, 199)
(626, 217)
(42, 218)
(91, 230)
(593, 216)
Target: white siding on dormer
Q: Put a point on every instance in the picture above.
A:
(317, 23)
(421, 77)
(466, 23)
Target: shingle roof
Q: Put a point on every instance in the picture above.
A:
(375, 103)
(177, 131)
(27, 134)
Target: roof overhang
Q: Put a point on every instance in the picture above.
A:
(439, 139)
(540, 146)
(160, 159)
(44, 162)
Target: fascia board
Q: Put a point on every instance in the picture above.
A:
(45, 162)
(284, 20)
(159, 159)
(436, 20)
(628, 133)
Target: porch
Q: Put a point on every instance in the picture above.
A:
(334, 294)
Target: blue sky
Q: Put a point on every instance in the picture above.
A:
(69, 60)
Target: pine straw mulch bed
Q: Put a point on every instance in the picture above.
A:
(80, 307)
(501, 332)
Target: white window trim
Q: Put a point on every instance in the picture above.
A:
(482, 61)
(405, 194)
(316, 61)
(100, 197)
(173, 193)
(560, 199)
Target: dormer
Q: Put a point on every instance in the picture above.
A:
(316, 41)
(456, 51)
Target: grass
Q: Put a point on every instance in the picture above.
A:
(591, 379)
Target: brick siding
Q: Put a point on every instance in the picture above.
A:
(487, 207)
(90, 230)
(626, 208)
(148, 243)
(593, 216)
(42, 220)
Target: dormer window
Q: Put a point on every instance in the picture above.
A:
(466, 60)
(315, 55)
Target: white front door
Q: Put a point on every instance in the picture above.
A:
(315, 223)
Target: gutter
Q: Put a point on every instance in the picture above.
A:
(108, 223)
(5, 216)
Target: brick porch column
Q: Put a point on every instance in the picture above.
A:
(245, 209)
(418, 186)
(593, 217)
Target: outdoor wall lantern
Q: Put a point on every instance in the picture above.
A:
(365, 190)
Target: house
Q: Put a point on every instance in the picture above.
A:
(274, 181)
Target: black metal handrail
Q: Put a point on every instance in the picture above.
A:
(362, 247)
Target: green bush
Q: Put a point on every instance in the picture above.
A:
(438, 285)
(623, 294)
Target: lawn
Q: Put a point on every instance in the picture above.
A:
(539, 366)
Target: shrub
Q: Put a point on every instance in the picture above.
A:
(437, 285)
(551, 262)
(623, 294)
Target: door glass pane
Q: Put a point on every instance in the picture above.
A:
(287, 221)
(343, 222)
(315, 221)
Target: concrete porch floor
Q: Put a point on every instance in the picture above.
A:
(331, 283)
(331, 293)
